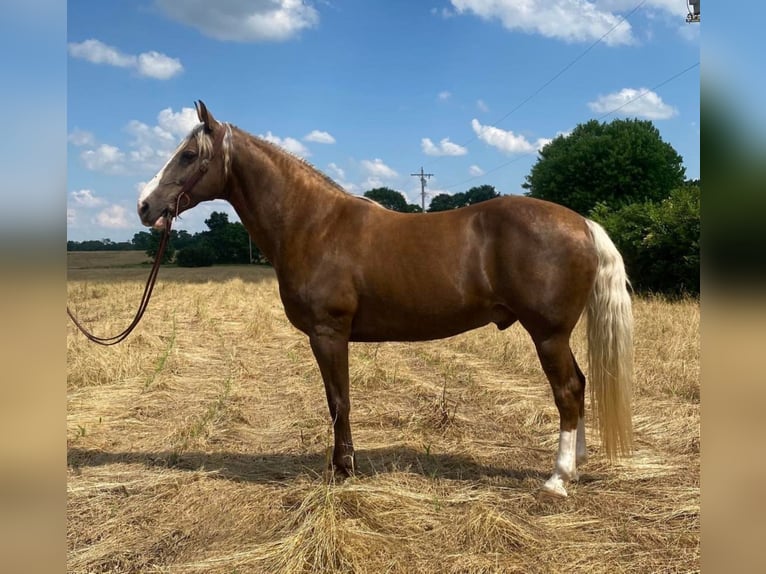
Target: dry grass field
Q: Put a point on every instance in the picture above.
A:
(198, 444)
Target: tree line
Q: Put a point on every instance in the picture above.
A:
(620, 174)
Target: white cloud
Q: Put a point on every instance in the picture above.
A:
(505, 141)
(377, 169)
(568, 20)
(244, 20)
(149, 147)
(86, 198)
(336, 171)
(673, 7)
(443, 96)
(483, 107)
(114, 217)
(81, 138)
(317, 136)
(96, 52)
(351, 188)
(445, 147)
(106, 158)
(372, 182)
(163, 137)
(71, 216)
(475, 170)
(155, 65)
(641, 103)
(292, 145)
(338, 174)
(179, 124)
(150, 64)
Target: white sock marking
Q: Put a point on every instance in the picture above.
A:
(566, 468)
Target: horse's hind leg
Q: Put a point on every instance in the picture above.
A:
(569, 392)
(581, 454)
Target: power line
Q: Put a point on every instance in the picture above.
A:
(559, 73)
(642, 94)
(610, 112)
(572, 63)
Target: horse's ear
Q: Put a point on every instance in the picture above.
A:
(205, 116)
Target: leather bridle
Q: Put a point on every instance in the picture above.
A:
(187, 186)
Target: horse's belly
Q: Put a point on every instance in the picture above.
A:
(392, 323)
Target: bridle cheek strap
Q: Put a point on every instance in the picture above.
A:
(204, 165)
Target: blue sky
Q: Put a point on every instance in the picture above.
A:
(368, 92)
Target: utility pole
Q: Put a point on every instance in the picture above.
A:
(422, 177)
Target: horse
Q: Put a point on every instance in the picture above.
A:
(351, 270)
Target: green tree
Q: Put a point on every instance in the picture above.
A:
(391, 199)
(445, 201)
(217, 221)
(480, 193)
(199, 255)
(613, 164)
(442, 202)
(228, 241)
(182, 239)
(153, 245)
(659, 241)
(142, 240)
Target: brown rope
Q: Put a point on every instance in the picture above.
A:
(106, 341)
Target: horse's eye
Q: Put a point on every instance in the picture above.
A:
(188, 156)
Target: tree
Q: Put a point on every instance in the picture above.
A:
(153, 245)
(442, 202)
(142, 240)
(196, 256)
(391, 199)
(659, 241)
(445, 201)
(613, 164)
(228, 241)
(182, 239)
(217, 221)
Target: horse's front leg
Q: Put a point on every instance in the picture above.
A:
(331, 352)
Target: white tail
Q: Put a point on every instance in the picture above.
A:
(610, 347)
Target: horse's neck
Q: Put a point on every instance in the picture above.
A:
(279, 199)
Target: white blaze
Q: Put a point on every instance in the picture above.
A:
(151, 187)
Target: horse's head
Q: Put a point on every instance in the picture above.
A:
(197, 171)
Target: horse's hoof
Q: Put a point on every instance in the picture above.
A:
(553, 489)
(344, 468)
(337, 473)
(547, 495)
(342, 473)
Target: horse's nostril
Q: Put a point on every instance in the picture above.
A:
(143, 207)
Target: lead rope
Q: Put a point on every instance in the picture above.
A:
(106, 341)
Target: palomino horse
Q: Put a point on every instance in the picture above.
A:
(351, 270)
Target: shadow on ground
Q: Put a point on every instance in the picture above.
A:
(273, 467)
